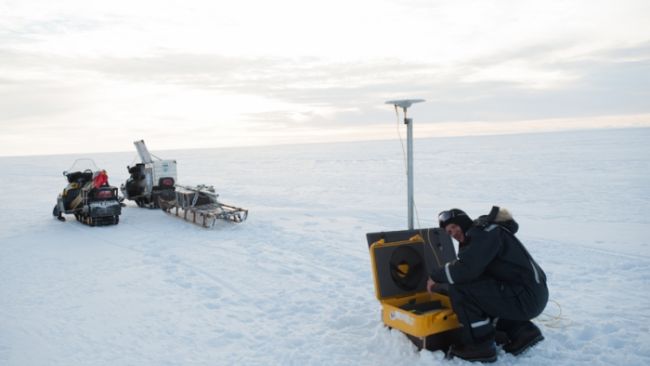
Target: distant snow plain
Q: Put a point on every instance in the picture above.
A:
(293, 285)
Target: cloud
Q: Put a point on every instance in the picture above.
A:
(247, 69)
(312, 91)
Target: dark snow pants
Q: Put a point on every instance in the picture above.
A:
(479, 302)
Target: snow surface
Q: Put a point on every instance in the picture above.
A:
(293, 284)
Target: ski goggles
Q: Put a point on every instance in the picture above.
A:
(445, 216)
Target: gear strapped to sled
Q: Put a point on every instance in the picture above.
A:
(153, 184)
(200, 206)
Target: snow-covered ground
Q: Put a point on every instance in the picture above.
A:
(293, 284)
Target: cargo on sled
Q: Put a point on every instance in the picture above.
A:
(200, 206)
(153, 184)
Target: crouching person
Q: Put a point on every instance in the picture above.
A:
(494, 284)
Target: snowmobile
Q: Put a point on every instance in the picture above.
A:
(153, 184)
(88, 196)
(150, 179)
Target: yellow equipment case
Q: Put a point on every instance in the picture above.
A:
(401, 262)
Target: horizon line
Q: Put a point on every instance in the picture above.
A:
(425, 131)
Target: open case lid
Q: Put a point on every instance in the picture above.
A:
(402, 260)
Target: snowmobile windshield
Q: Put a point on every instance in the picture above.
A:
(81, 165)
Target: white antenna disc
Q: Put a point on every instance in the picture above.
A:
(404, 103)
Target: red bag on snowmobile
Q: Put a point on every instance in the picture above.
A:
(101, 179)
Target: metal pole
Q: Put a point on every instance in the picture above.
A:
(405, 104)
(409, 157)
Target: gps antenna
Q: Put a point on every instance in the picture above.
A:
(405, 104)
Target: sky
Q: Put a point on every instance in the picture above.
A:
(88, 76)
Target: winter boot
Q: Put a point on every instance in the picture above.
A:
(501, 338)
(476, 352)
(522, 338)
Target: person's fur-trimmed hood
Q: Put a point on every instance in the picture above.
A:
(503, 215)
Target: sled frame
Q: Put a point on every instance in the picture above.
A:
(206, 214)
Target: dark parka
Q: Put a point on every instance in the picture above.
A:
(494, 276)
(494, 252)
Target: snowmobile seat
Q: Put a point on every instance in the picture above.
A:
(104, 193)
(79, 177)
(72, 177)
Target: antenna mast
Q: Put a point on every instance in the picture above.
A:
(405, 104)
